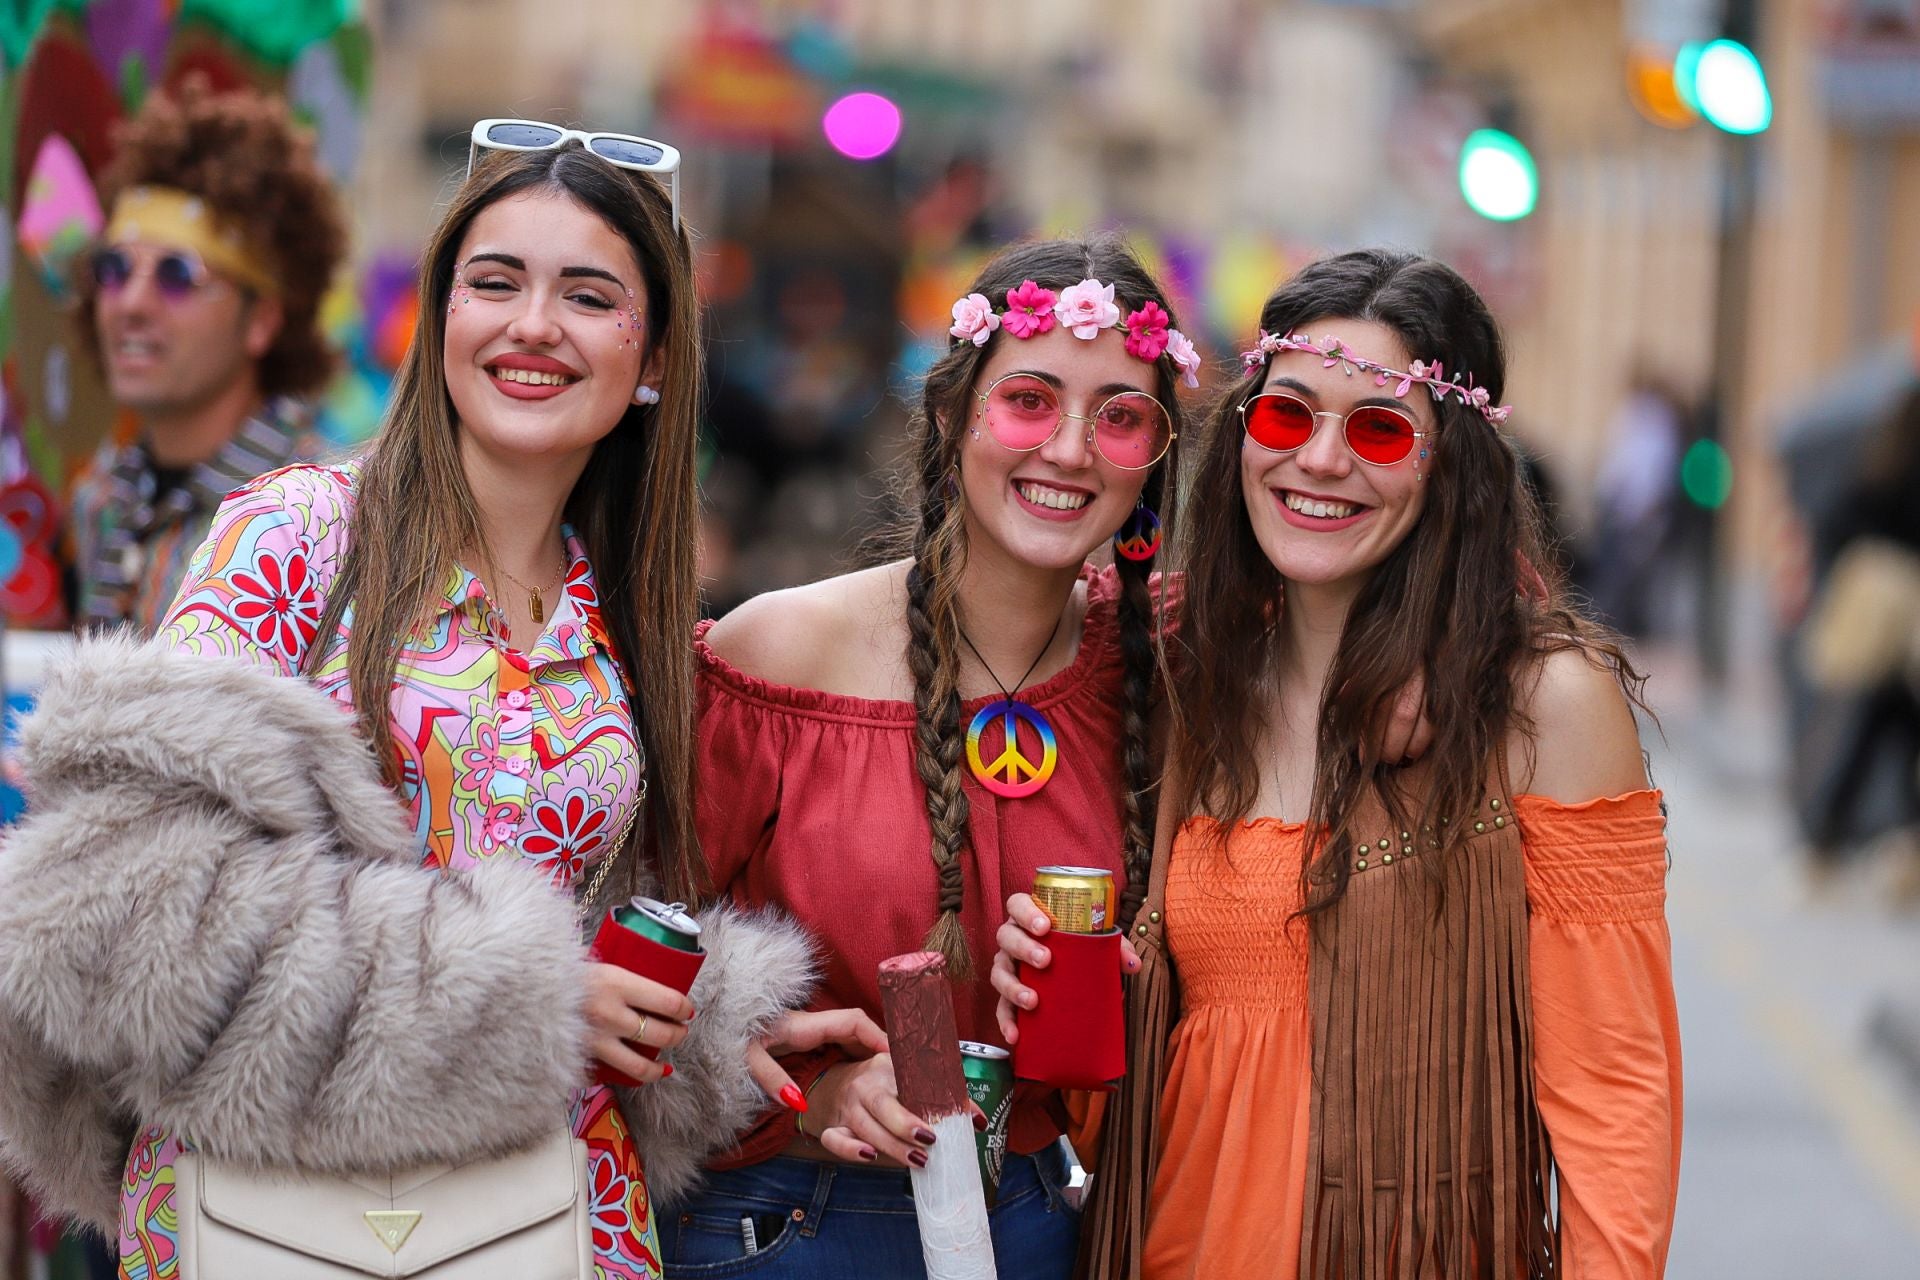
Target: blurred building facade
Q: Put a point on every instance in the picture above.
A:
(1232, 139)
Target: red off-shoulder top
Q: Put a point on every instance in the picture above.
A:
(810, 801)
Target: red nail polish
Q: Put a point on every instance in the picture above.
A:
(924, 1137)
(666, 1069)
(791, 1095)
(918, 1159)
(868, 1154)
(979, 1122)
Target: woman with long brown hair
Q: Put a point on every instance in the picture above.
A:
(1425, 1015)
(888, 752)
(221, 940)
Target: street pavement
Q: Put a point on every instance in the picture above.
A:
(1802, 1154)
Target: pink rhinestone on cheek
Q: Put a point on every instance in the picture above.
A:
(461, 292)
(632, 324)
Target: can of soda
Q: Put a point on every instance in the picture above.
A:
(1076, 899)
(667, 923)
(657, 940)
(989, 1073)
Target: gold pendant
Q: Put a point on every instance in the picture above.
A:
(539, 613)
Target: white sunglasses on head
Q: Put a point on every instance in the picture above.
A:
(622, 150)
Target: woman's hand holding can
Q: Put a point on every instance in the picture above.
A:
(624, 1010)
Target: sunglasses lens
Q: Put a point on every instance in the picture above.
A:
(1279, 423)
(1132, 431)
(112, 268)
(176, 275)
(511, 133)
(1378, 435)
(627, 151)
(1021, 412)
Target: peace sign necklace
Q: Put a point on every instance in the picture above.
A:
(1011, 775)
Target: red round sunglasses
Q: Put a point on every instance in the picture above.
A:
(1281, 422)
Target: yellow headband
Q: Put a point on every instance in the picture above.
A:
(164, 215)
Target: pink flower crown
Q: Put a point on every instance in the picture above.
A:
(1332, 351)
(1085, 308)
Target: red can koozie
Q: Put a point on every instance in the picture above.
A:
(616, 944)
(1076, 1037)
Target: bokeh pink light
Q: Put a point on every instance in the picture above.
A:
(862, 125)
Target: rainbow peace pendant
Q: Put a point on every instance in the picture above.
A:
(1011, 775)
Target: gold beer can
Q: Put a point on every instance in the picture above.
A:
(1076, 899)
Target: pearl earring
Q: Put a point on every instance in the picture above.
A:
(644, 394)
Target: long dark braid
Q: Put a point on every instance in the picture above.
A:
(1139, 655)
(933, 627)
(936, 546)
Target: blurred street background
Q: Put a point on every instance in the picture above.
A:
(1698, 220)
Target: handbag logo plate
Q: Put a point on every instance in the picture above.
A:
(393, 1226)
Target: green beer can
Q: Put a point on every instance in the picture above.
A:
(989, 1073)
(667, 923)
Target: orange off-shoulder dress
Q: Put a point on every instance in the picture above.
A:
(1228, 1198)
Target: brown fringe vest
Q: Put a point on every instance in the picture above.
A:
(1422, 1070)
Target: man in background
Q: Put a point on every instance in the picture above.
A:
(202, 305)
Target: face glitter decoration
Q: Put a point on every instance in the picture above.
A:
(461, 292)
(632, 324)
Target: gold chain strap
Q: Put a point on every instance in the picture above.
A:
(600, 875)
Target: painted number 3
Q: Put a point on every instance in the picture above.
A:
(1011, 774)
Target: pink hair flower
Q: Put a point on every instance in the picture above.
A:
(1481, 398)
(973, 318)
(1087, 308)
(1147, 331)
(1029, 310)
(1499, 414)
(1186, 359)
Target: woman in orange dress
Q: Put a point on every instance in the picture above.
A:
(1426, 1024)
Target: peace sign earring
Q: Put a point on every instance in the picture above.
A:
(1139, 537)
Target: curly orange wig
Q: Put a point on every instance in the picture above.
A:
(241, 152)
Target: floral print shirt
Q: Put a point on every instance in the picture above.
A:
(503, 754)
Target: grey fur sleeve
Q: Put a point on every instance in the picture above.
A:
(759, 965)
(238, 945)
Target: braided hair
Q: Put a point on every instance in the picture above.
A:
(936, 547)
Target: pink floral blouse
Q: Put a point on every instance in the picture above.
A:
(525, 755)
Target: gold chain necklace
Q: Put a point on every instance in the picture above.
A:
(535, 605)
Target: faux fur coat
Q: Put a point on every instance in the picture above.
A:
(214, 920)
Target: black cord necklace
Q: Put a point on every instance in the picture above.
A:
(1010, 774)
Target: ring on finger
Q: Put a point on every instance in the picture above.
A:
(641, 1032)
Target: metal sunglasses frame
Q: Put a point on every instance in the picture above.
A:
(668, 164)
(204, 277)
(1412, 425)
(1091, 419)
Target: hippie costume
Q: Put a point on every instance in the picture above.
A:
(1463, 1070)
(824, 817)
(219, 933)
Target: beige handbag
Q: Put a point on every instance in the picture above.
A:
(524, 1215)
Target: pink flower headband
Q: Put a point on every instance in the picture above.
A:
(1332, 351)
(1086, 308)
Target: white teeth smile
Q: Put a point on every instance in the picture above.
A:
(1041, 495)
(1324, 510)
(136, 347)
(532, 378)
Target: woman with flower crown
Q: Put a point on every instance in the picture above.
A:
(1393, 1021)
(887, 754)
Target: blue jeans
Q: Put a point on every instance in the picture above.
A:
(812, 1218)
